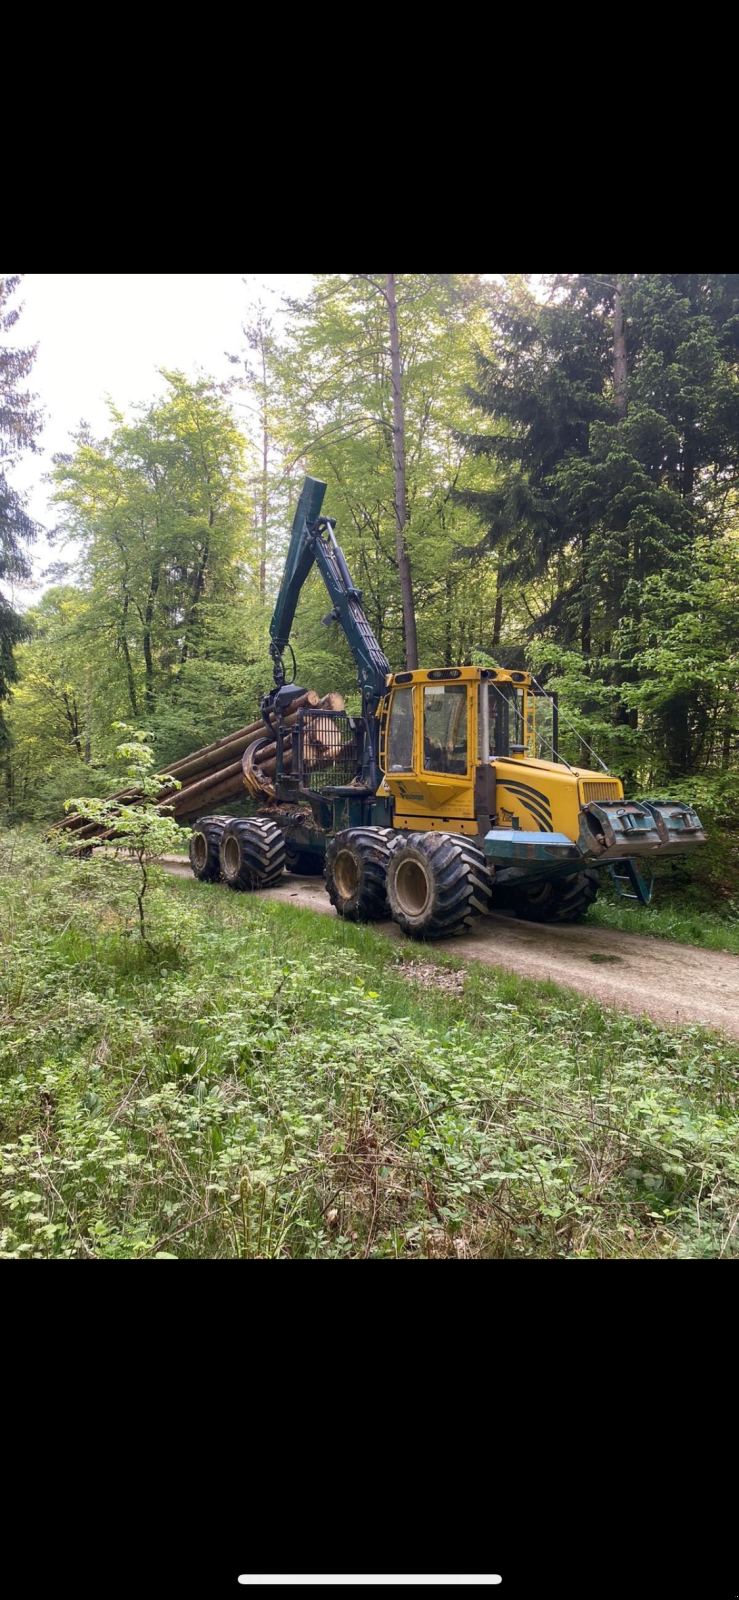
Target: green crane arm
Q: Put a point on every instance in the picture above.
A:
(312, 539)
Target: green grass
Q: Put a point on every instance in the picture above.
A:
(276, 1084)
(673, 920)
(696, 899)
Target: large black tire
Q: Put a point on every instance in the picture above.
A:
(204, 848)
(356, 869)
(437, 884)
(559, 900)
(252, 853)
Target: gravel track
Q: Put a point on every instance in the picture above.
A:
(674, 984)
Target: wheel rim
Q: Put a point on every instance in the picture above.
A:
(199, 850)
(346, 874)
(412, 887)
(231, 857)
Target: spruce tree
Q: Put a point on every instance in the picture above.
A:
(611, 412)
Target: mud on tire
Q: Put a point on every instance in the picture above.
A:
(204, 847)
(560, 900)
(252, 853)
(356, 869)
(438, 883)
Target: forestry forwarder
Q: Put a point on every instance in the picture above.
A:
(431, 806)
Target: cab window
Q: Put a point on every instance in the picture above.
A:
(506, 720)
(445, 728)
(400, 732)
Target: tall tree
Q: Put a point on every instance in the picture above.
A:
(20, 425)
(373, 380)
(613, 413)
(162, 511)
(401, 499)
(272, 484)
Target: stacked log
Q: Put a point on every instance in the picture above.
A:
(215, 774)
(320, 750)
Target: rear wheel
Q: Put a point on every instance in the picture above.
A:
(356, 869)
(560, 900)
(252, 853)
(438, 883)
(204, 847)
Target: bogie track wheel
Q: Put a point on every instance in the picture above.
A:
(204, 848)
(559, 900)
(306, 863)
(298, 829)
(356, 869)
(252, 853)
(438, 883)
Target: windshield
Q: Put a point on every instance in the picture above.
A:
(445, 728)
(400, 732)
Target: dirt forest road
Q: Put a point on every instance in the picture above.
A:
(674, 984)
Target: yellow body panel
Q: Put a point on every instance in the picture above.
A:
(533, 795)
(544, 796)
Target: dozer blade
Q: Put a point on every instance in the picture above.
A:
(621, 828)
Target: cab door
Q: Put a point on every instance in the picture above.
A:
(439, 721)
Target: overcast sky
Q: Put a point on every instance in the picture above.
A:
(105, 334)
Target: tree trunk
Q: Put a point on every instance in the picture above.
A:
(265, 484)
(88, 718)
(127, 656)
(620, 394)
(404, 565)
(498, 618)
(148, 658)
(197, 591)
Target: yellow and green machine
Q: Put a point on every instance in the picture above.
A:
(445, 797)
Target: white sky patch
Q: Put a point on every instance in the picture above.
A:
(105, 334)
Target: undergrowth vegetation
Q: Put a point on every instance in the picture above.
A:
(696, 898)
(268, 1083)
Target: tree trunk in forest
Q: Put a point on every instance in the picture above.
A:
(620, 393)
(198, 587)
(72, 716)
(265, 485)
(88, 718)
(498, 617)
(148, 657)
(123, 641)
(585, 602)
(448, 621)
(404, 565)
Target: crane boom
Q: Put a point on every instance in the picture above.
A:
(312, 540)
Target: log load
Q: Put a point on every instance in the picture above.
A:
(215, 774)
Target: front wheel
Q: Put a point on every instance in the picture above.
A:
(559, 900)
(437, 884)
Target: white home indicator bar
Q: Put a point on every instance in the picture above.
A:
(369, 1577)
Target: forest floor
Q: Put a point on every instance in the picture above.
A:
(671, 983)
(260, 1081)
